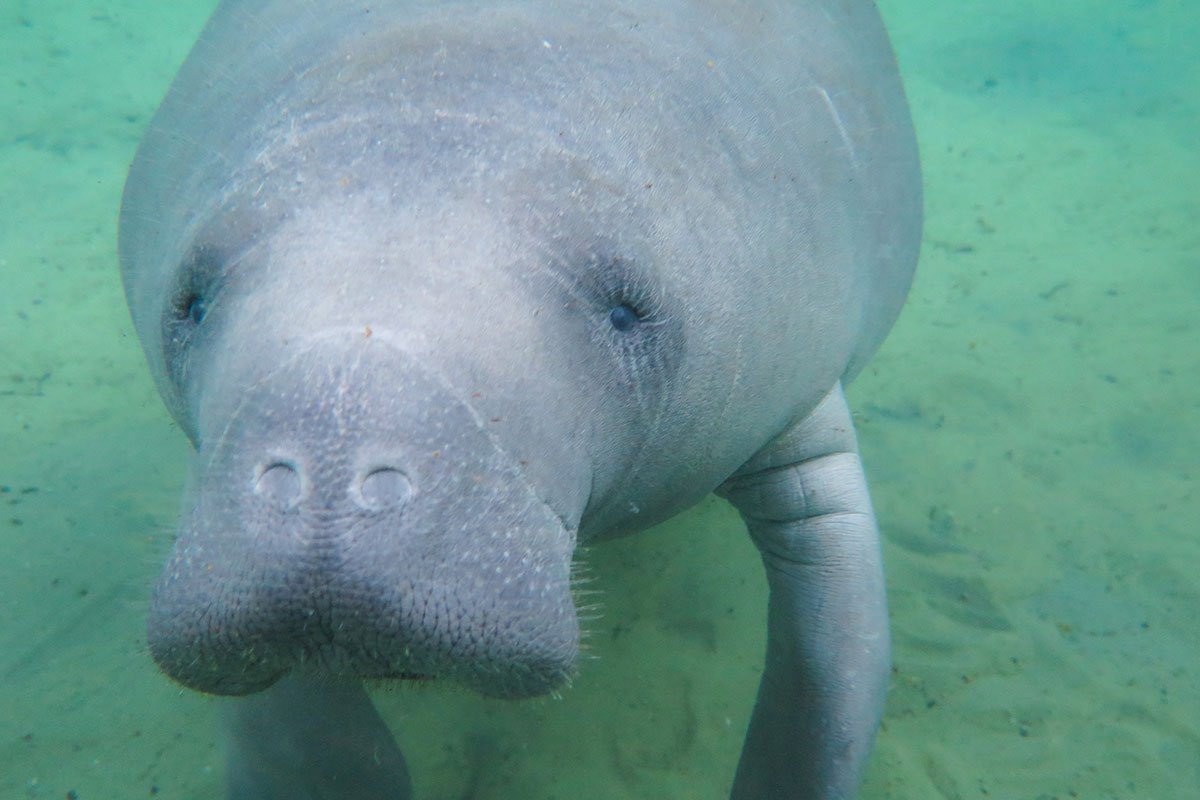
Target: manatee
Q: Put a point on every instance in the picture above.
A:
(442, 291)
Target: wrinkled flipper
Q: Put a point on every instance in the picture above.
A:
(804, 499)
(311, 739)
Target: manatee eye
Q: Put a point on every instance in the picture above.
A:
(194, 307)
(623, 317)
(200, 276)
(198, 285)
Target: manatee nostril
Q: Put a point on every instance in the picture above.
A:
(384, 488)
(279, 482)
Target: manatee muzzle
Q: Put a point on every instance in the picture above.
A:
(349, 513)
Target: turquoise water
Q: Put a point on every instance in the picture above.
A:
(1031, 431)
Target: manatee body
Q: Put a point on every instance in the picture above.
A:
(441, 291)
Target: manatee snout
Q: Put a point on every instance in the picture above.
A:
(349, 513)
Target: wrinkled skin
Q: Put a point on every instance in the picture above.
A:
(440, 291)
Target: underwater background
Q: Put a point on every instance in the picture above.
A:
(1031, 431)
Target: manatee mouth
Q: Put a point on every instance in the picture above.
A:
(236, 627)
(289, 558)
(250, 631)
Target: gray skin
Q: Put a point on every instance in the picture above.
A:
(442, 291)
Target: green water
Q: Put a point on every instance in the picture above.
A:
(1031, 430)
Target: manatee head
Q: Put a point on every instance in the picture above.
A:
(414, 349)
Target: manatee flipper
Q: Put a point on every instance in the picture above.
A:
(804, 499)
(311, 739)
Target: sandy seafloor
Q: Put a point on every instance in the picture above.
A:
(1031, 432)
